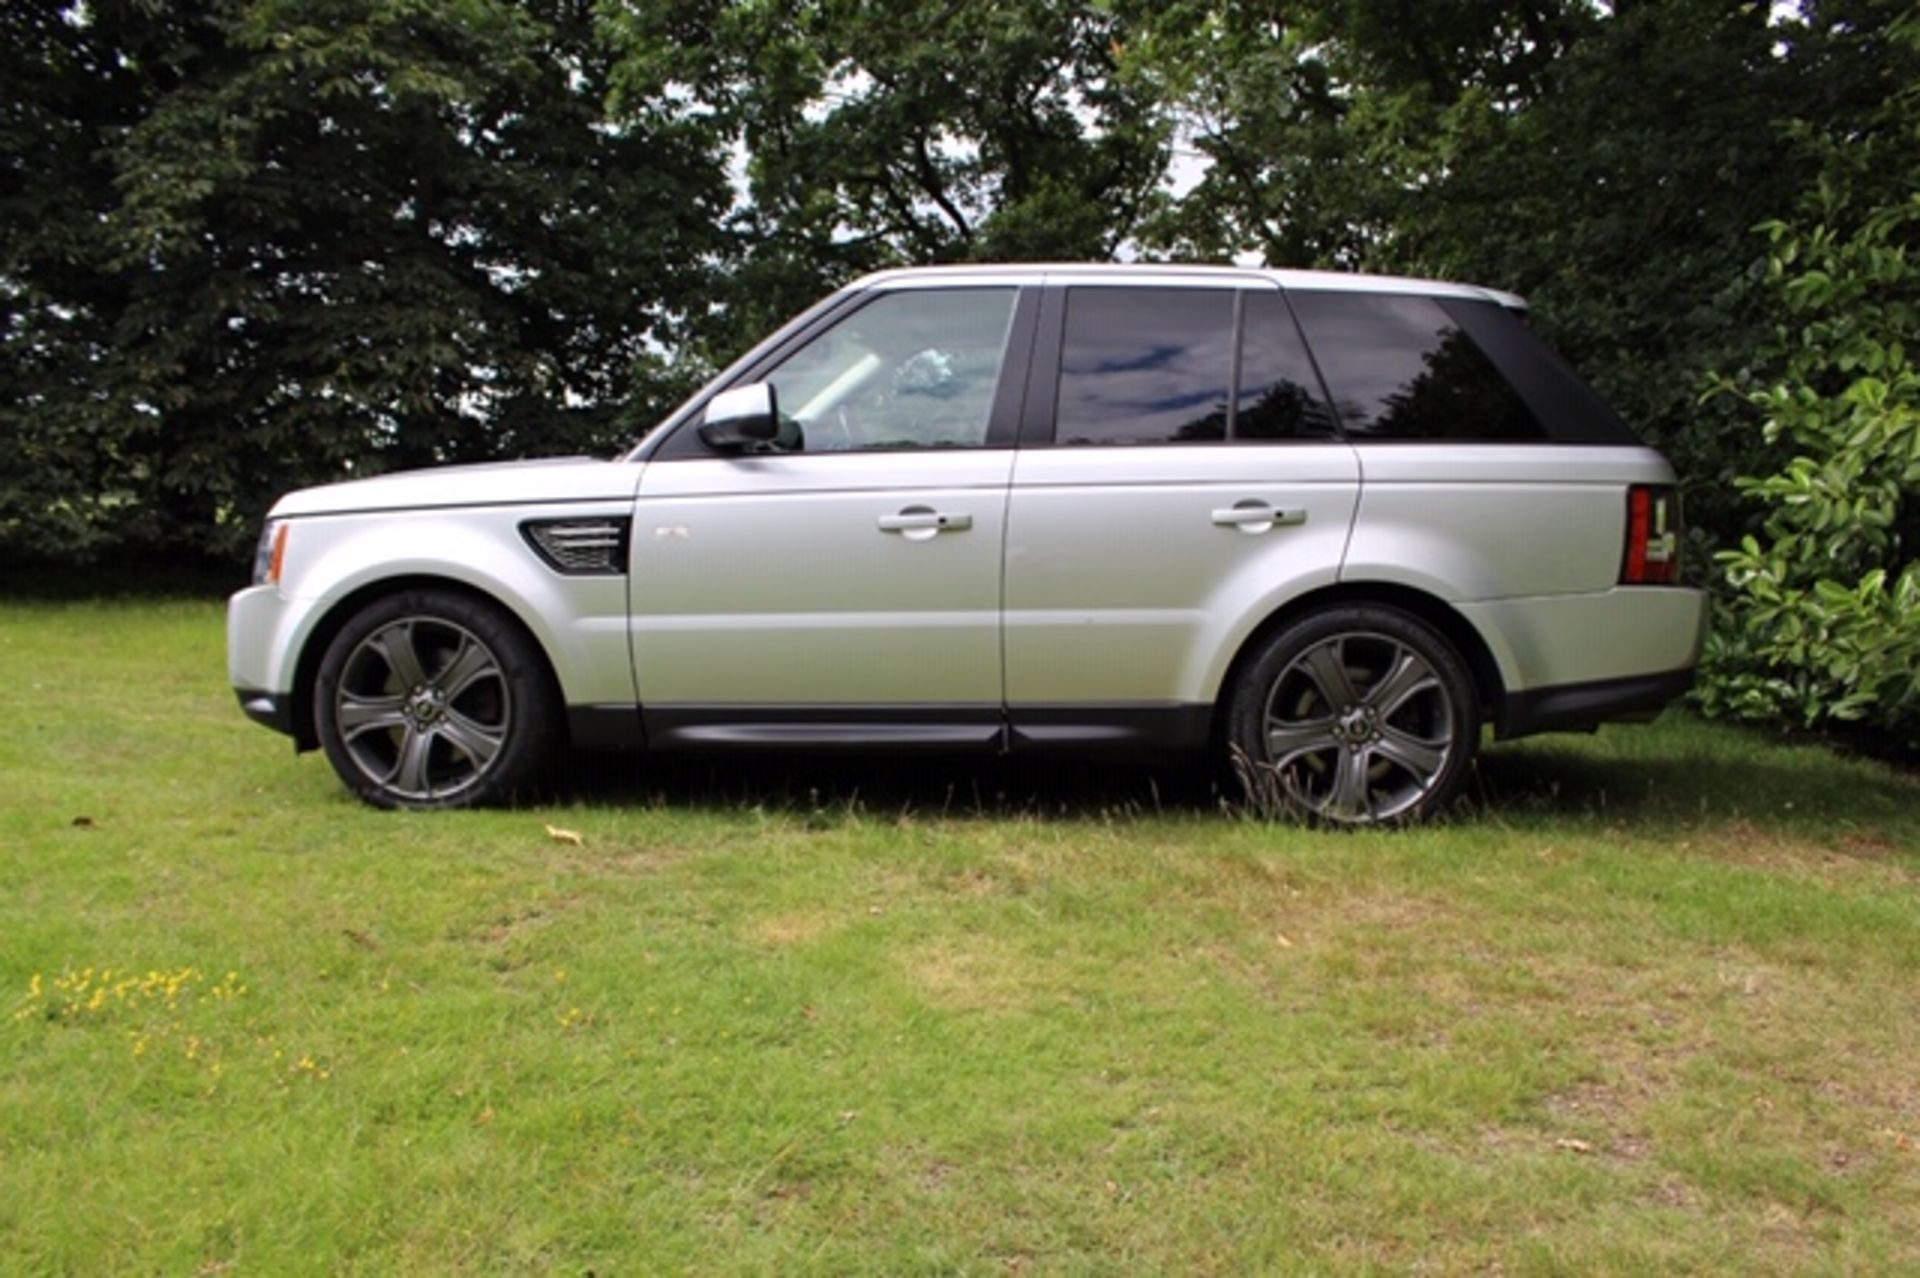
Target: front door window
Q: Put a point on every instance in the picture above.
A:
(907, 370)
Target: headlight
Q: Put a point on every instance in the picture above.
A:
(269, 554)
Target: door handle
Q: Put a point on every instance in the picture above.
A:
(1254, 515)
(920, 519)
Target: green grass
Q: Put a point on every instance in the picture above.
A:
(1652, 1009)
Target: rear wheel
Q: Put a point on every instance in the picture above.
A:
(432, 699)
(1357, 715)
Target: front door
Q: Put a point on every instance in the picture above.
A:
(843, 586)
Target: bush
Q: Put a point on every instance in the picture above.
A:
(1822, 623)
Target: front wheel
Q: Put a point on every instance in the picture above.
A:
(432, 699)
(1360, 715)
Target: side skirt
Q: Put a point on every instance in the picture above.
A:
(1109, 730)
(1062, 729)
(905, 727)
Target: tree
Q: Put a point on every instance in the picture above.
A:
(68, 486)
(883, 132)
(334, 236)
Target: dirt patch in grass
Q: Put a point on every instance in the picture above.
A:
(517, 922)
(974, 974)
(974, 883)
(794, 928)
(1608, 1119)
(1864, 857)
(618, 862)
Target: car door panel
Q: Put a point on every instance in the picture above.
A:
(772, 581)
(1124, 577)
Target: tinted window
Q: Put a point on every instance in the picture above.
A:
(1400, 368)
(1145, 365)
(1571, 410)
(1279, 393)
(910, 369)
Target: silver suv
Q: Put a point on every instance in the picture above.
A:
(1331, 524)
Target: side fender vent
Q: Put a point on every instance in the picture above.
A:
(580, 547)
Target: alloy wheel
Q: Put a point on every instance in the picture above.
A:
(1358, 728)
(423, 708)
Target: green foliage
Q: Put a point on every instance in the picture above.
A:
(893, 132)
(1824, 620)
(1327, 124)
(263, 243)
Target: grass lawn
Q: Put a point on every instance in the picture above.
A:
(1655, 1008)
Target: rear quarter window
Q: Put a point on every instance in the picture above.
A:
(1417, 368)
(1401, 368)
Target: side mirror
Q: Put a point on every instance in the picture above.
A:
(741, 418)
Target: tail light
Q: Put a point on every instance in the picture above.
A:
(1653, 536)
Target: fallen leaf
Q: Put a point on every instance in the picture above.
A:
(559, 835)
(485, 1116)
(1280, 939)
(360, 939)
(1577, 1146)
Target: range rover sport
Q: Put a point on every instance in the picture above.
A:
(1339, 524)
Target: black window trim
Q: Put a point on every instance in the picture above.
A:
(1235, 361)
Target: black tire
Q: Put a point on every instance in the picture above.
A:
(1354, 715)
(431, 699)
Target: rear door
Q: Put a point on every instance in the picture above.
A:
(1178, 479)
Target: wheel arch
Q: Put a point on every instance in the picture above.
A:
(1466, 639)
(306, 734)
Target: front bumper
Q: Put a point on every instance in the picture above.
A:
(263, 632)
(260, 627)
(269, 709)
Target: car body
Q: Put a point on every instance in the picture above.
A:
(1020, 508)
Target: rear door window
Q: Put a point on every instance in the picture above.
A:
(1145, 366)
(1158, 366)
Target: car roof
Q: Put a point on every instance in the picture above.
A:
(1177, 276)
